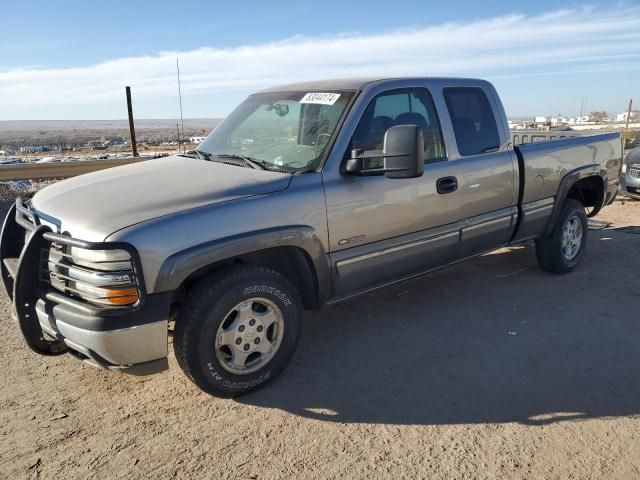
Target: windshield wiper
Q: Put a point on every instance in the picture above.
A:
(252, 162)
(197, 153)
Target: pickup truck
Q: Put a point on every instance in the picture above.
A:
(305, 195)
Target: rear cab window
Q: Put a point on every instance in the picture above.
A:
(473, 120)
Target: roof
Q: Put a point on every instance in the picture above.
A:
(350, 83)
(330, 84)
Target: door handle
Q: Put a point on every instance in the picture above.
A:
(446, 185)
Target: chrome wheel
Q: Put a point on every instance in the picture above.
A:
(249, 336)
(571, 238)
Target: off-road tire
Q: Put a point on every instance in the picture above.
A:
(206, 307)
(549, 248)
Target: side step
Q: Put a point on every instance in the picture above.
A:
(11, 264)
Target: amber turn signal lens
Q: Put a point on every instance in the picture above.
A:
(125, 296)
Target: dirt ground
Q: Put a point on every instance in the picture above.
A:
(489, 369)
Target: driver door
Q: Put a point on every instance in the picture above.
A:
(383, 229)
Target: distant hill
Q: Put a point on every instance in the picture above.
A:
(61, 134)
(66, 125)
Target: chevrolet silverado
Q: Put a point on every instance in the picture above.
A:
(305, 195)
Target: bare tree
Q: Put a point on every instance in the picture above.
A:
(598, 117)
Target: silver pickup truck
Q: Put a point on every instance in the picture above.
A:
(306, 194)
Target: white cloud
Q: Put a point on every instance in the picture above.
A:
(504, 47)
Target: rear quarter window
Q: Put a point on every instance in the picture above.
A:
(474, 123)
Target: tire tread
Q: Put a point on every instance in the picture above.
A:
(191, 319)
(549, 248)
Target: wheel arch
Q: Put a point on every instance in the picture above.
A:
(586, 185)
(590, 191)
(296, 252)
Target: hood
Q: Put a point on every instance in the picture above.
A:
(95, 205)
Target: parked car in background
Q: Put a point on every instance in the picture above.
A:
(50, 160)
(630, 176)
(13, 161)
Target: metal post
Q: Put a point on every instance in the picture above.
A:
(180, 97)
(629, 114)
(626, 136)
(132, 129)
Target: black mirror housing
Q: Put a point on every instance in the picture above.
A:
(403, 154)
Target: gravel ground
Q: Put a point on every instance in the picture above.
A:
(489, 369)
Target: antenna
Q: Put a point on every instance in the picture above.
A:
(180, 97)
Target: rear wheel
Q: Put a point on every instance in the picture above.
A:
(561, 251)
(238, 330)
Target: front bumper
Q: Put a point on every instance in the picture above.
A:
(132, 339)
(138, 347)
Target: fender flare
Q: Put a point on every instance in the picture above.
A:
(568, 181)
(180, 265)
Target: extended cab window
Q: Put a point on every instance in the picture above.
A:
(474, 123)
(412, 106)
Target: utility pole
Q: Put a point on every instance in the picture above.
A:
(132, 129)
(178, 129)
(180, 96)
(626, 127)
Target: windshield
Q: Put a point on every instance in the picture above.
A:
(282, 130)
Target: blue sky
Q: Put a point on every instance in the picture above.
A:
(71, 60)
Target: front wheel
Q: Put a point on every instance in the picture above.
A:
(238, 330)
(561, 251)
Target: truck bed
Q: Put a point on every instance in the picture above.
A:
(544, 165)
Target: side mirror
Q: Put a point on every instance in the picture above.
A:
(403, 154)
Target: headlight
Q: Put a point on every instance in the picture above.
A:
(624, 168)
(104, 277)
(107, 260)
